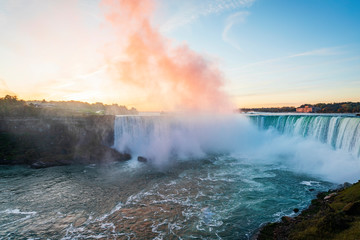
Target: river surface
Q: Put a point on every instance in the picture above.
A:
(216, 197)
(212, 177)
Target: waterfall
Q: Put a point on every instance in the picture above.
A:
(327, 146)
(155, 137)
(165, 137)
(341, 132)
(133, 133)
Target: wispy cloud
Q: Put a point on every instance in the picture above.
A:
(233, 19)
(321, 52)
(315, 72)
(196, 10)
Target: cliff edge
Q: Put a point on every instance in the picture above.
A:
(53, 141)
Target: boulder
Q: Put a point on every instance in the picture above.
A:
(329, 196)
(40, 164)
(125, 156)
(345, 185)
(287, 219)
(142, 159)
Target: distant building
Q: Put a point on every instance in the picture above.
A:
(307, 109)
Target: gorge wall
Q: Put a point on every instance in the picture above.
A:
(52, 141)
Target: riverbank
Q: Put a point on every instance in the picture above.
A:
(332, 215)
(47, 141)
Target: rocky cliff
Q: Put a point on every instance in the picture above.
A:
(52, 141)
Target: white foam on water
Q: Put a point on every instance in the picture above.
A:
(27, 215)
(310, 183)
(108, 226)
(115, 209)
(301, 144)
(17, 211)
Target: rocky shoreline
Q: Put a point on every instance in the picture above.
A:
(53, 141)
(332, 215)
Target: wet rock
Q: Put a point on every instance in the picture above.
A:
(296, 210)
(311, 189)
(330, 196)
(111, 155)
(126, 156)
(99, 154)
(345, 185)
(79, 222)
(287, 219)
(40, 164)
(142, 159)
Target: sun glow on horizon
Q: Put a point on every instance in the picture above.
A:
(161, 55)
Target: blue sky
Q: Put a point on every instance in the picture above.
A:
(281, 52)
(270, 52)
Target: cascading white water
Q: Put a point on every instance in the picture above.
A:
(155, 137)
(338, 131)
(139, 133)
(133, 132)
(327, 146)
(165, 137)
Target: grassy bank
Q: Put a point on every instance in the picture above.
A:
(332, 215)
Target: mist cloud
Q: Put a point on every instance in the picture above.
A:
(175, 76)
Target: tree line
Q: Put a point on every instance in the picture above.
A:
(271, 109)
(342, 107)
(14, 107)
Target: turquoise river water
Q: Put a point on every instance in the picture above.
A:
(204, 180)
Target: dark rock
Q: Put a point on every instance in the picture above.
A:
(94, 153)
(287, 219)
(110, 155)
(120, 156)
(142, 159)
(40, 164)
(311, 189)
(266, 232)
(54, 141)
(126, 156)
(352, 208)
(346, 185)
(296, 210)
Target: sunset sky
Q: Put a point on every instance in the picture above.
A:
(193, 53)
